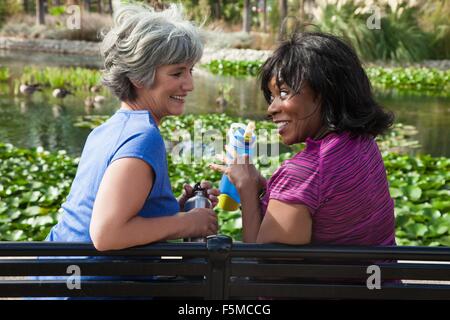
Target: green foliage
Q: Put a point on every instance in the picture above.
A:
(76, 79)
(412, 80)
(90, 121)
(57, 10)
(399, 38)
(274, 17)
(420, 80)
(434, 20)
(8, 8)
(234, 68)
(421, 190)
(399, 139)
(4, 74)
(198, 10)
(34, 183)
(232, 11)
(342, 21)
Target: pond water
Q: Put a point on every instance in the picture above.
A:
(42, 120)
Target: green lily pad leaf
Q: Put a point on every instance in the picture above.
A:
(441, 205)
(33, 211)
(445, 241)
(431, 214)
(402, 221)
(414, 193)
(3, 207)
(14, 215)
(395, 192)
(16, 235)
(416, 230)
(40, 221)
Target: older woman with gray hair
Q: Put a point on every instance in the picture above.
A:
(121, 195)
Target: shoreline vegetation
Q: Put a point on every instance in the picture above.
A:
(402, 81)
(92, 49)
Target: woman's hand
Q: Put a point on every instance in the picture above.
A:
(188, 192)
(241, 173)
(200, 222)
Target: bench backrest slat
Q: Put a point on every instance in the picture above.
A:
(49, 267)
(221, 269)
(41, 288)
(389, 271)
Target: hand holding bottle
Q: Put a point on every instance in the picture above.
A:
(200, 223)
(240, 150)
(188, 192)
(242, 174)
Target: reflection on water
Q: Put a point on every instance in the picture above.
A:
(41, 120)
(431, 117)
(19, 58)
(243, 99)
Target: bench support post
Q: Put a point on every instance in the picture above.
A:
(219, 247)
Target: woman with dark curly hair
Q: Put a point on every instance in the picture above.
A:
(335, 191)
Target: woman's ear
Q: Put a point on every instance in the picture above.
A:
(137, 84)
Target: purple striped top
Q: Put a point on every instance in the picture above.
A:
(342, 180)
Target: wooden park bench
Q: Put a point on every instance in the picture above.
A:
(222, 269)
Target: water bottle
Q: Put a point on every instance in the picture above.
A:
(199, 200)
(241, 139)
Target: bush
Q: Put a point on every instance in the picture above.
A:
(433, 18)
(399, 38)
(8, 8)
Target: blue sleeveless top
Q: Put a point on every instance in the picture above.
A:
(127, 134)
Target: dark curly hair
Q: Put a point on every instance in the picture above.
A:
(333, 71)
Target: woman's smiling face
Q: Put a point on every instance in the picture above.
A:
(297, 115)
(168, 93)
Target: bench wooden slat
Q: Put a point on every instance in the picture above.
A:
(388, 271)
(324, 291)
(279, 251)
(58, 267)
(54, 288)
(34, 248)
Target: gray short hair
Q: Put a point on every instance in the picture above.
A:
(143, 39)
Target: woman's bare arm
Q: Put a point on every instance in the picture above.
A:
(124, 188)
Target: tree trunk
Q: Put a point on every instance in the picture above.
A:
(246, 16)
(218, 9)
(283, 9)
(265, 16)
(25, 6)
(100, 6)
(283, 14)
(40, 12)
(110, 7)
